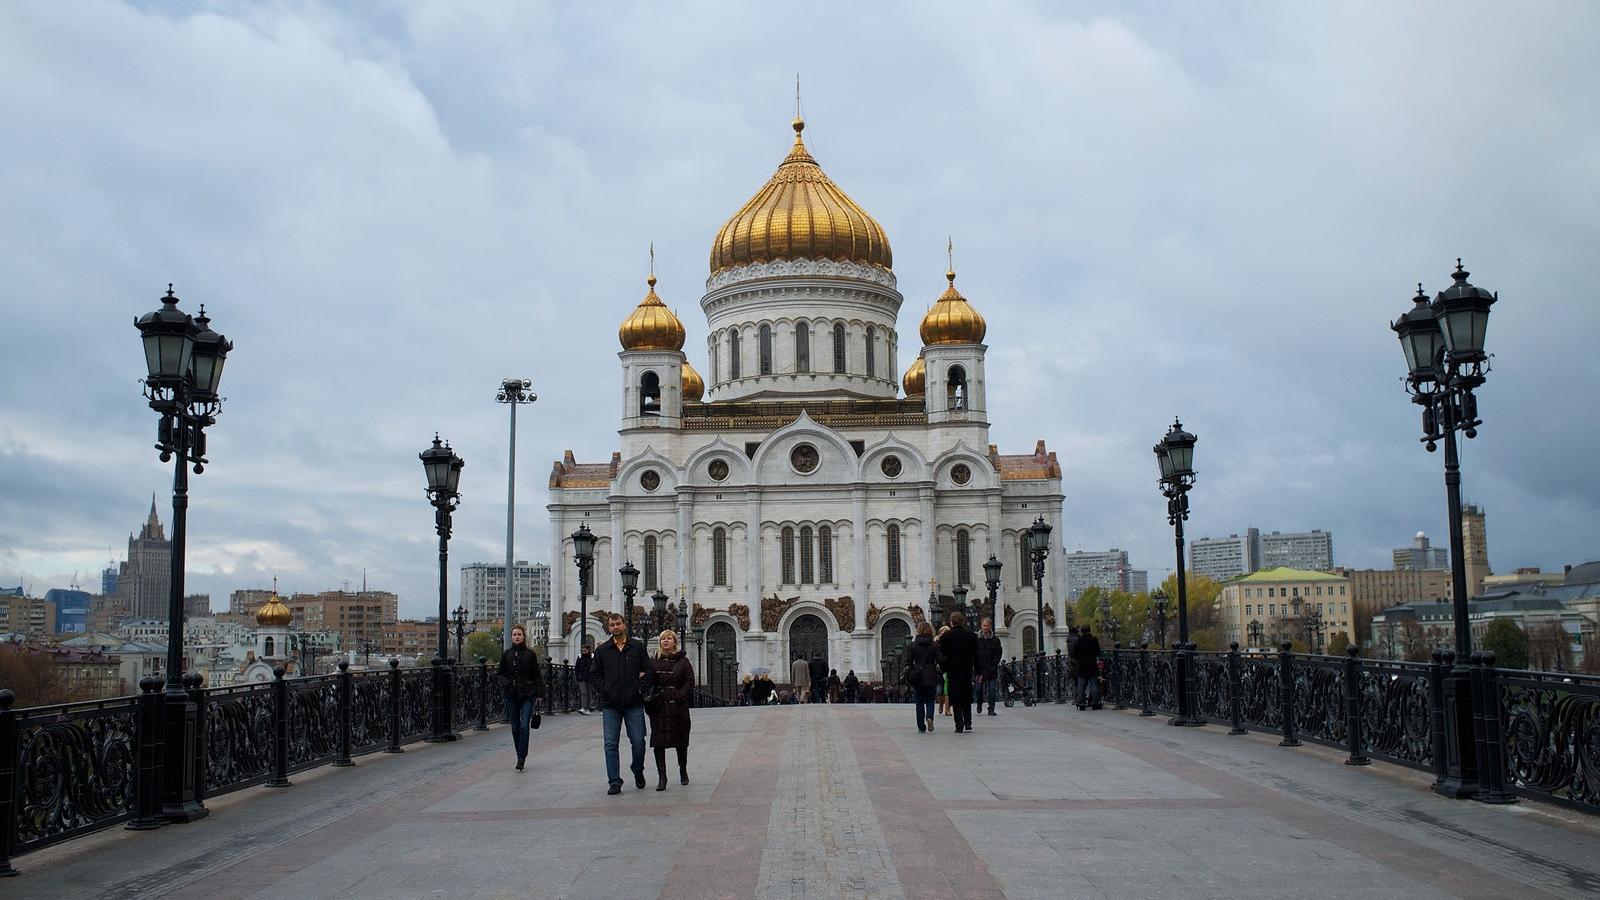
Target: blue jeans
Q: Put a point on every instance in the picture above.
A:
(1088, 691)
(614, 720)
(988, 692)
(925, 700)
(519, 713)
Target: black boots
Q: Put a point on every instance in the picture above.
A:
(661, 768)
(683, 765)
(683, 774)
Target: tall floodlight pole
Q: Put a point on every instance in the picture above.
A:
(513, 392)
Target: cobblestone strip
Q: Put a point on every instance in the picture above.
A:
(932, 859)
(822, 839)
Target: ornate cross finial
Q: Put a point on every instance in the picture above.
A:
(950, 259)
(651, 280)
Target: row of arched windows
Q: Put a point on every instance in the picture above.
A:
(802, 351)
(815, 553)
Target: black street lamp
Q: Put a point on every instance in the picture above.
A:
(991, 580)
(1175, 457)
(513, 392)
(700, 651)
(960, 594)
(1158, 605)
(1038, 543)
(367, 644)
(683, 621)
(935, 610)
(1257, 633)
(583, 555)
(443, 468)
(659, 620)
(630, 586)
(1314, 628)
(462, 628)
(1443, 345)
(183, 363)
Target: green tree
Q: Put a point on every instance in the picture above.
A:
(1508, 643)
(485, 644)
(1339, 645)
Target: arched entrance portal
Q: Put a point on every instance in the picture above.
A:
(808, 637)
(721, 665)
(892, 640)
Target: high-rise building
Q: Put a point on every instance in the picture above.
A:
(145, 579)
(483, 591)
(1224, 558)
(1474, 548)
(108, 579)
(71, 609)
(1106, 570)
(1311, 551)
(1138, 581)
(1421, 556)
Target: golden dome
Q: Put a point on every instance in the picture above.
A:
(800, 214)
(916, 378)
(651, 326)
(694, 387)
(273, 614)
(952, 319)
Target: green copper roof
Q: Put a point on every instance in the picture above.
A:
(1284, 573)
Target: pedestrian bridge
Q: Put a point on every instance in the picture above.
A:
(848, 801)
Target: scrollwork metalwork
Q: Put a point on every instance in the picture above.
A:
(75, 769)
(1395, 718)
(1211, 686)
(313, 721)
(369, 711)
(1319, 699)
(238, 737)
(1550, 733)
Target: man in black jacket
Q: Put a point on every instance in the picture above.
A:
(989, 656)
(959, 650)
(622, 665)
(583, 673)
(1086, 653)
(819, 678)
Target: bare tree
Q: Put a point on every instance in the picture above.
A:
(1549, 647)
(33, 676)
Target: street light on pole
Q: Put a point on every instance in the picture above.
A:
(583, 556)
(443, 468)
(1175, 458)
(1038, 542)
(462, 629)
(1158, 604)
(630, 586)
(991, 580)
(513, 392)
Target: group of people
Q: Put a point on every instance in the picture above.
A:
(812, 682)
(956, 664)
(629, 686)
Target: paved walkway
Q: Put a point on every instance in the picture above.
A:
(849, 801)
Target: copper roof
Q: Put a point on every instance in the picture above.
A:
(569, 473)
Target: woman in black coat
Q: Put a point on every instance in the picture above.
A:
(523, 683)
(669, 720)
(922, 674)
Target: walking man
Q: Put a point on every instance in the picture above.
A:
(1086, 653)
(583, 672)
(819, 678)
(621, 666)
(989, 656)
(960, 651)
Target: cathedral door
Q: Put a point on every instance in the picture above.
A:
(807, 637)
(720, 669)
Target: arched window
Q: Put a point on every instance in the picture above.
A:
(266, 648)
(719, 557)
(892, 551)
(1026, 568)
(1030, 641)
(872, 334)
(825, 555)
(787, 540)
(802, 347)
(764, 343)
(733, 353)
(807, 570)
(650, 395)
(651, 569)
(963, 557)
(838, 348)
(955, 386)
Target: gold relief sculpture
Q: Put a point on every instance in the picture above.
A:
(741, 613)
(844, 612)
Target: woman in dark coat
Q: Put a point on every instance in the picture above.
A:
(669, 722)
(922, 674)
(523, 684)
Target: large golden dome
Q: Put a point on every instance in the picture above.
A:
(916, 378)
(694, 387)
(952, 319)
(800, 214)
(273, 614)
(651, 326)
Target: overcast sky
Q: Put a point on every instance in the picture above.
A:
(1160, 210)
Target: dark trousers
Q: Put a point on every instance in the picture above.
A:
(988, 689)
(961, 701)
(819, 692)
(925, 701)
(519, 713)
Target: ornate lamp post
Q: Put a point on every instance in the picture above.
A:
(1257, 633)
(513, 392)
(583, 556)
(1105, 612)
(1443, 345)
(1175, 457)
(1158, 606)
(991, 580)
(1314, 629)
(183, 362)
(443, 468)
(935, 610)
(630, 586)
(960, 594)
(683, 621)
(658, 612)
(462, 628)
(1038, 543)
(700, 651)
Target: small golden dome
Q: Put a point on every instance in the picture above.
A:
(952, 319)
(694, 387)
(800, 214)
(273, 614)
(651, 326)
(916, 378)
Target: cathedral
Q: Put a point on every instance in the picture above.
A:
(792, 496)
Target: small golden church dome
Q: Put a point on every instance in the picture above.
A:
(273, 614)
(916, 378)
(694, 387)
(800, 214)
(651, 325)
(952, 320)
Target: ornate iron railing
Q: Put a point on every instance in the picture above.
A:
(74, 770)
(1396, 721)
(1548, 728)
(239, 736)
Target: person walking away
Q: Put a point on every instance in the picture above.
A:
(1086, 654)
(988, 664)
(944, 681)
(583, 673)
(852, 686)
(922, 666)
(834, 685)
(800, 674)
(959, 648)
(523, 684)
(621, 666)
(761, 690)
(1072, 662)
(819, 678)
(669, 721)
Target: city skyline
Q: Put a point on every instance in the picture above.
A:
(1155, 227)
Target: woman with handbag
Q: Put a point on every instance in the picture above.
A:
(668, 707)
(523, 684)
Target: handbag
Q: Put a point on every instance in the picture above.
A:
(535, 721)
